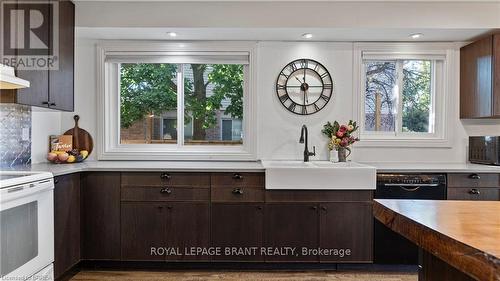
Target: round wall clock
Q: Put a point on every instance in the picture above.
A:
(304, 86)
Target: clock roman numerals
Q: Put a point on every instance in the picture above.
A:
(304, 86)
(304, 64)
(284, 98)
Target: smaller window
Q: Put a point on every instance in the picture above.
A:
(399, 97)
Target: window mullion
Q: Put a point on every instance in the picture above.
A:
(180, 105)
(399, 83)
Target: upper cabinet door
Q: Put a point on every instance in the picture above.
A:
(476, 79)
(45, 35)
(31, 43)
(61, 81)
(496, 74)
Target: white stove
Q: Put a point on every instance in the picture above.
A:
(26, 225)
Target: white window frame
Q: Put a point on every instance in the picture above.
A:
(442, 82)
(108, 127)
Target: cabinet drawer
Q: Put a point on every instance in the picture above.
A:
(318, 195)
(166, 193)
(238, 194)
(201, 180)
(481, 194)
(238, 179)
(473, 180)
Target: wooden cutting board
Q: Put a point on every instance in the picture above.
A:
(82, 140)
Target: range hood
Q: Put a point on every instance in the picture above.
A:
(8, 79)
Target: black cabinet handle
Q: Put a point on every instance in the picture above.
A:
(237, 176)
(314, 208)
(237, 191)
(474, 191)
(169, 207)
(166, 190)
(474, 176)
(56, 181)
(323, 208)
(45, 102)
(259, 207)
(52, 104)
(160, 207)
(165, 176)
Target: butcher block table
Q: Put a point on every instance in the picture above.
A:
(458, 240)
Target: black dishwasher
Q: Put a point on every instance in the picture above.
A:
(390, 247)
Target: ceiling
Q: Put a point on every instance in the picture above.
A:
(281, 34)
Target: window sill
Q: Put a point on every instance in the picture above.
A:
(405, 143)
(152, 154)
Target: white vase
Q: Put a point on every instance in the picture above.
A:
(334, 156)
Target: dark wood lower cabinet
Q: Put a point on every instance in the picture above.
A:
(66, 223)
(291, 225)
(143, 231)
(238, 228)
(107, 220)
(188, 229)
(347, 227)
(101, 216)
(175, 231)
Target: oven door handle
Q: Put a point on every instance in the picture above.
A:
(411, 186)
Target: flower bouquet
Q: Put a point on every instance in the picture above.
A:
(341, 137)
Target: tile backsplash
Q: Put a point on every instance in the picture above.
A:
(15, 135)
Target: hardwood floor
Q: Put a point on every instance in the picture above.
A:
(319, 275)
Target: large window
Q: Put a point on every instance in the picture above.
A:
(402, 93)
(212, 95)
(399, 96)
(182, 101)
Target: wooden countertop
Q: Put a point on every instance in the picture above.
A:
(464, 234)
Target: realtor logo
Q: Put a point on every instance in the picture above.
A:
(30, 34)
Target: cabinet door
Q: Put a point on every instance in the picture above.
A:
(238, 226)
(347, 227)
(143, 228)
(476, 79)
(38, 92)
(474, 193)
(66, 223)
(292, 225)
(496, 74)
(101, 216)
(61, 81)
(188, 228)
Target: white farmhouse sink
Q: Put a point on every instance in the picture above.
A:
(319, 175)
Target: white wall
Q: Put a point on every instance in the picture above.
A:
(279, 130)
(43, 124)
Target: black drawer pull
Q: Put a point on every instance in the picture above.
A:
(45, 102)
(166, 190)
(237, 191)
(237, 176)
(165, 176)
(52, 104)
(475, 176)
(324, 208)
(314, 208)
(474, 191)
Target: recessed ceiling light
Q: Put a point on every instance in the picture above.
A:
(172, 34)
(307, 35)
(416, 35)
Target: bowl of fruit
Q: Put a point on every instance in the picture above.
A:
(67, 157)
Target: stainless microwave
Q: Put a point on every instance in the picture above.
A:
(484, 150)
